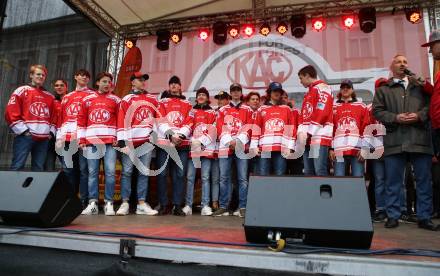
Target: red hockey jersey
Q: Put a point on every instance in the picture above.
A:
(317, 114)
(70, 108)
(350, 120)
(276, 128)
(204, 131)
(136, 117)
(233, 122)
(174, 116)
(31, 109)
(97, 119)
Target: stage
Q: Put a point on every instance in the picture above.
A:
(224, 245)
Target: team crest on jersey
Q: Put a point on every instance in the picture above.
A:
(39, 109)
(275, 124)
(175, 117)
(143, 113)
(307, 111)
(347, 121)
(99, 116)
(73, 109)
(233, 122)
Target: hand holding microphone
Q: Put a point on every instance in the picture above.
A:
(412, 76)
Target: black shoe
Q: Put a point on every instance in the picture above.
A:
(391, 223)
(408, 218)
(177, 211)
(162, 211)
(380, 216)
(428, 225)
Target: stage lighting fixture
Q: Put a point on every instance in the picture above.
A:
(204, 34)
(265, 29)
(367, 19)
(163, 40)
(413, 15)
(176, 37)
(248, 30)
(282, 28)
(319, 24)
(348, 21)
(298, 25)
(219, 32)
(234, 30)
(129, 43)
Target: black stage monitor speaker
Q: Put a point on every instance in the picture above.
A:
(323, 211)
(41, 199)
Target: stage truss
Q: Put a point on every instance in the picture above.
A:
(258, 14)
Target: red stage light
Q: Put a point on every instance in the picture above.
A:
(282, 28)
(234, 31)
(203, 34)
(249, 30)
(348, 21)
(318, 24)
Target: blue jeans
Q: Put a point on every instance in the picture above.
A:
(226, 184)
(191, 177)
(276, 161)
(357, 168)
(395, 170)
(254, 165)
(379, 184)
(22, 146)
(379, 187)
(215, 179)
(109, 172)
(316, 165)
(79, 172)
(142, 180)
(177, 175)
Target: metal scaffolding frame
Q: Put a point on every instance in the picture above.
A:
(257, 14)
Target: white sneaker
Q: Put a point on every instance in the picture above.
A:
(145, 209)
(108, 209)
(206, 211)
(187, 210)
(123, 209)
(236, 213)
(91, 209)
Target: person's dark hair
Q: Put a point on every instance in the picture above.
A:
(308, 70)
(59, 79)
(353, 96)
(252, 93)
(103, 74)
(82, 72)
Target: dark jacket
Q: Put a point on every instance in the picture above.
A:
(392, 99)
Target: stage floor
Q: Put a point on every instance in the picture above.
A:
(230, 230)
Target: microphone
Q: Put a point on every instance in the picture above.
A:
(408, 72)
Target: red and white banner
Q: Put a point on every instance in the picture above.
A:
(255, 62)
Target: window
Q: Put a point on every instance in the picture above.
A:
(359, 47)
(23, 72)
(62, 66)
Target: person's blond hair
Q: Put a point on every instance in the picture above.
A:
(38, 66)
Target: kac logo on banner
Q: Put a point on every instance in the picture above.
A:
(259, 67)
